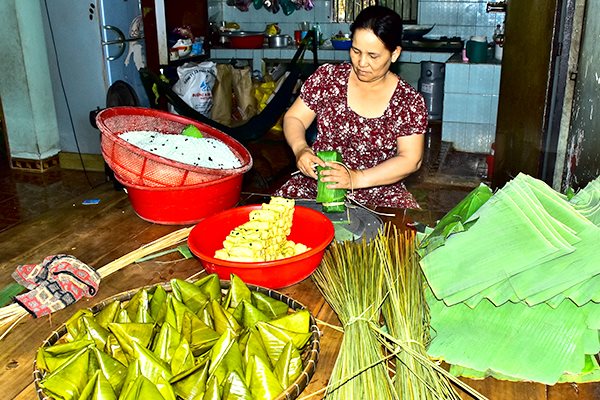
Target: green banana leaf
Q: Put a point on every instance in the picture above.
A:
(235, 388)
(122, 317)
(112, 369)
(275, 339)
(130, 333)
(191, 384)
(332, 200)
(51, 357)
(140, 299)
(68, 381)
(147, 364)
(98, 388)
(288, 367)
(141, 388)
(249, 315)
(73, 325)
(206, 317)
(537, 343)
(262, 382)
(166, 342)
(271, 307)
(225, 357)
(211, 286)
(158, 304)
(455, 220)
(183, 359)
(254, 346)
(189, 294)
(223, 319)
(94, 331)
(200, 337)
(108, 314)
(238, 291)
(298, 321)
(213, 390)
(114, 349)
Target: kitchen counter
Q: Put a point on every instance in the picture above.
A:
(256, 56)
(104, 232)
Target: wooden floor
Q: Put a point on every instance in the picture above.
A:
(41, 215)
(101, 233)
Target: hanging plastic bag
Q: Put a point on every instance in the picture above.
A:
(195, 85)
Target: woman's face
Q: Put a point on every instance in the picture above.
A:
(370, 58)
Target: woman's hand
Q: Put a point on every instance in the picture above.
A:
(339, 176)
(307, 162)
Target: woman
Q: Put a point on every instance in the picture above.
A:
(364, 111)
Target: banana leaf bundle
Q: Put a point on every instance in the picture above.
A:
(516, 295)
(192, 342)
(332, 200)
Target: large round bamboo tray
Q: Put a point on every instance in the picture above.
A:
(310, 354)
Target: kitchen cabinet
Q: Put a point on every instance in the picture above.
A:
(161, 17)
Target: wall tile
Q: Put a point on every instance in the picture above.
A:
(455, 107)
(481, 79)
(478, 109)
(457, 78)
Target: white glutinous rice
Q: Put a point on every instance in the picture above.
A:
(200, 152)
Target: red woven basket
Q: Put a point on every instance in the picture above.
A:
(143, 168)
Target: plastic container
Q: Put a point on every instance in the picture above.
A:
(246, 40)
(477, 49)
(183, 205)
(309, 227)
(341, 44)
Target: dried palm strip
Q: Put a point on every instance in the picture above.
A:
(14, 312)
(169, 240)
(352, 286)
(406, 317)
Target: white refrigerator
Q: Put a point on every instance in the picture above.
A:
(91, 45)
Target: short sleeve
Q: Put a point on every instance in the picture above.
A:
(315, 89)
(408, 111)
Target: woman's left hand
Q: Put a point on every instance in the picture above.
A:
(338, 176)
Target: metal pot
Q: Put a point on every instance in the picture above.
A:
(280, 40)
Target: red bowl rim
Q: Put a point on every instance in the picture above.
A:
(240, 150)
(262, 264)
(202, 185)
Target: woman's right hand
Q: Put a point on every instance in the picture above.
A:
(307, 161)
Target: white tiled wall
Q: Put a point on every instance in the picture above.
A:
(463, 18)
(470, 106)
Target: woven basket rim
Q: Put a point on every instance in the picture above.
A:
(311, 351)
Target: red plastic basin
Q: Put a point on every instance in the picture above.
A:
(183, 205)
(309, 227)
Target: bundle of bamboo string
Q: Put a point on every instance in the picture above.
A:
(11, 315)
(377, 290)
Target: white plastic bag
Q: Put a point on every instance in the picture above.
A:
(195, 85)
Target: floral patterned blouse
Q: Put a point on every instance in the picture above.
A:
(362, 142)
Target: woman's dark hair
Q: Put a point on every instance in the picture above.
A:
(385, 23)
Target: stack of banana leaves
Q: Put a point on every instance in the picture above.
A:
(191, 342)
(514, 279)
